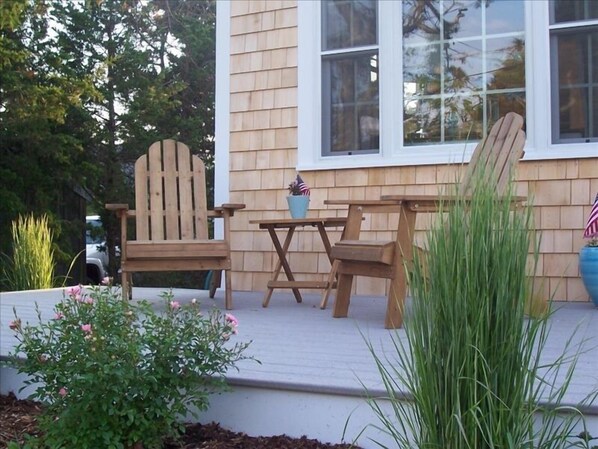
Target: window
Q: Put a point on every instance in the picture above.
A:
(574, 51)
(420, 81)
(350, 98)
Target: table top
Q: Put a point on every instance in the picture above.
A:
(389, 200)
(293, 222)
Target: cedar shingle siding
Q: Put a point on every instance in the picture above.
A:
(263, 156)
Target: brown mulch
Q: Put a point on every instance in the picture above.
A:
(18, 418)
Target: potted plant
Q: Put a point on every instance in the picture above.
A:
(298, 198)
(588, 256)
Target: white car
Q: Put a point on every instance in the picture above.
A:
(95, 248)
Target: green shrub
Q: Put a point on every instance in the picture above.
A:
(115, 374)
(32, 264)
(469, 358)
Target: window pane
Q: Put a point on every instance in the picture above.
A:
(342, 85)
(464, 66)
(421, 23)
(343, 128)
(369, 129)
(336, 25)
(349, 23)
(499, 104)
(462, 19)
(576, 56)
(364, 22)
(504, 16)
(351, 95)
(421, 69)
(574, 10)
(505, 63)
(464, 119)
(421, 122)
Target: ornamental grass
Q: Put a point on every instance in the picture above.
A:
(467, 370)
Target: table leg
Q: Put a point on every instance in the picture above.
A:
(281, 264)
(329, 285)
(333, 266)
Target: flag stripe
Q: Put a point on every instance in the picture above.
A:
(591, 229)
(303, 188)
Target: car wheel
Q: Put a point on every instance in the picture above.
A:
(93, 275)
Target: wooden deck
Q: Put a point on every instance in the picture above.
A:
(313, 367)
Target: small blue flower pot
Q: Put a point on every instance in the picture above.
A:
(298, 205)
(588, 267)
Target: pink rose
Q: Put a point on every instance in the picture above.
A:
(107, 281)
(14, 325)
(86, 328)
(74, 291)
(231, 319)
(88, 300)
(63, 392)
(58, 315)
(175, 305)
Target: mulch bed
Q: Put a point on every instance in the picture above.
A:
(18, 418)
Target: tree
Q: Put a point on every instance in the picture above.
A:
(117, 75)
(39, 158)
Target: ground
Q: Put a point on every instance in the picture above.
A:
(18, 418)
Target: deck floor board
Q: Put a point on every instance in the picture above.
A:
(301, 347)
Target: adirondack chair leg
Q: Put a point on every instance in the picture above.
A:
(126, 290)
(396, 301)
(228, 293)
(343, 294)
(215, 282)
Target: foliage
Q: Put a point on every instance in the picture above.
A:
(114, 374)
(40, 158)
(32, 264)
(87, 86)
(472, 360)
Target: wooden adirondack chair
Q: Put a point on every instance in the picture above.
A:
(171, 219)
(498, 153)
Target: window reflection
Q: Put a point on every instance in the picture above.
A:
(578, 84)
(349, 23)
(574, 10)
(353, 100)
(463, 57)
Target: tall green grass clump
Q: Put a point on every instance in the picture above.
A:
(32, 264)
(469, 358)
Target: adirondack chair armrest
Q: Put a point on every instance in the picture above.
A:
(117, 207)
(226, 209)
(122, 211)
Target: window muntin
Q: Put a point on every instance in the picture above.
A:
(574, 57)
(350, 89)
(463, 65)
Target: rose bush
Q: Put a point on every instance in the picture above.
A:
(116, 374)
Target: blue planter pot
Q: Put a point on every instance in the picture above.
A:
(588, 267)
(298, 205)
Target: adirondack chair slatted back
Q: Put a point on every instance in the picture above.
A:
(170, 195)
(499, 152)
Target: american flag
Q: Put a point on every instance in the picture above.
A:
(303, 188)
(592, 225)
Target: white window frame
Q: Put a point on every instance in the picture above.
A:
(539, 144)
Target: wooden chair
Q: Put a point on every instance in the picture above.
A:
(171, 219)
(498, 152)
